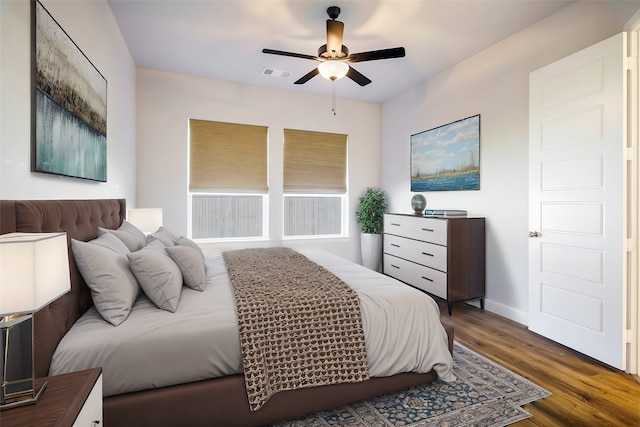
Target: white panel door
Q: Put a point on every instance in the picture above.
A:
(577, 110)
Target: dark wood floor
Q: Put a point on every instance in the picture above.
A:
(585, 392)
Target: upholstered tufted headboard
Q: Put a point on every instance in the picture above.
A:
(80, 219)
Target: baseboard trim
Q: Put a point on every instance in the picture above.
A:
(509, 312)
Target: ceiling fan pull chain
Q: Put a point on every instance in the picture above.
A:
(333, 96)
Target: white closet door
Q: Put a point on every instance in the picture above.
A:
(577, 110)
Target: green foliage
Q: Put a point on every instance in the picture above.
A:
(371, 212)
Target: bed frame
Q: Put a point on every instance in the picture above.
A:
(221, 401)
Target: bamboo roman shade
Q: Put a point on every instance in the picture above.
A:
(315, 162)
(227, 157)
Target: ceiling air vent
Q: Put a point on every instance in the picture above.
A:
(276, 73)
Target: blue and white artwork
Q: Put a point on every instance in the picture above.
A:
(70, 103)
(447, 157)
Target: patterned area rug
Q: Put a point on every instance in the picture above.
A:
(484, 394)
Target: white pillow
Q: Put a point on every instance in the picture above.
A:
(165, 236)
(191, 265)
(159, 277)
(104, 266)
(129, 234)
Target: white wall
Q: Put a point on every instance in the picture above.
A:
(166, 101)
(494, 84)
(92, 27)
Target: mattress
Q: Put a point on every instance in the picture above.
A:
(156, 348)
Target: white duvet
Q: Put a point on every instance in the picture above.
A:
(156, 348)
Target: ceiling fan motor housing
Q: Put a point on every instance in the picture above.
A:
(322, 52)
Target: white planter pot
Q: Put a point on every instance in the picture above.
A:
(371, 251)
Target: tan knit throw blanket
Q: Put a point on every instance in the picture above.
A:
(300, 325)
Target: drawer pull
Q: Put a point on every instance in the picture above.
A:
(427, 254)
(395, 266)
(395, 246)
(396, 224)
(426, 278)
(428, 229)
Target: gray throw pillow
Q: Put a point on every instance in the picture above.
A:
(165, 236)
(184, 241)
(130, 235)
(191, 264)
(104, 266)
(159, 277)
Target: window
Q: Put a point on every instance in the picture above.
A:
(315, 184)
(227, 180)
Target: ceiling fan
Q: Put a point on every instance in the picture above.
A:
(334, 56)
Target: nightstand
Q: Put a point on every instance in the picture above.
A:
(70, 400)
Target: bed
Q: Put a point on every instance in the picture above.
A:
(210, 401)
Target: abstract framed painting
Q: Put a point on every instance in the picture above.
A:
(69, 99)
(447, 158)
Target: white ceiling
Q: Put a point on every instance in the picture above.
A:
(223, 39)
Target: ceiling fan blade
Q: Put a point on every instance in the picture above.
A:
(357, 77)
(307, 77)
(396, 52)
(335, 30)
(295, 55)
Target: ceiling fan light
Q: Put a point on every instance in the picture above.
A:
(333, 69)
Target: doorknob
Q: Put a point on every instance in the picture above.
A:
(534, 234)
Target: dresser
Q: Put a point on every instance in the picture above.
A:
(70, 400)
(443, 256)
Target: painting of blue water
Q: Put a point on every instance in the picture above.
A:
(447, 158)
(70, 108)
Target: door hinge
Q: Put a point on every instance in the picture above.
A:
(628, 336)
(631, 62)
(630, 245)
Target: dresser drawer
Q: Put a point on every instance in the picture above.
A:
(432, 230)
(425, 278)
(91, 413)
(427, 254)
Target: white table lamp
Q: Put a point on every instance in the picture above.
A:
(147, 220)
(34, 271)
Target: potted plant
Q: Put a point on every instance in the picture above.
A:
(370, 215)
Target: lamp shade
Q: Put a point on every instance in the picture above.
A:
(333, 69)
(147, 220)
(34, 271)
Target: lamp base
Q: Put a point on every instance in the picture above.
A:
(17, 379)
(29, 399)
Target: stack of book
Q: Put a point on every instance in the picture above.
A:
(445, 212)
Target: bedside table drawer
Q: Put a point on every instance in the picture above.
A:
(91, 413)
(425, 278)
(416, 227)
(427, 254)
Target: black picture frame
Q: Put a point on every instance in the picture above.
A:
(69, 104)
